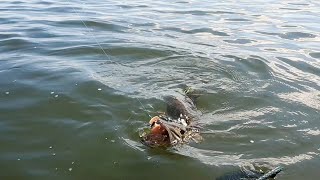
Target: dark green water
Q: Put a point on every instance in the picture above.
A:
(70, 110)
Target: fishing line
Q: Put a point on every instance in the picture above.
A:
(99, 44)
(89, 30)
(144, 108)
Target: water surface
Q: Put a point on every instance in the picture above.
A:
(73, 74)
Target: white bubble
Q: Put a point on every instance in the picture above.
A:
(7, 92)
(72, 162)
(252, 141)
(113, 141)
(50, 147)
(52, 92)
(19, 159)
(53, 154)
(56, 95)
(70, 169)
(99, 89)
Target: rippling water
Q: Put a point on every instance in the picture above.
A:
(72, 74)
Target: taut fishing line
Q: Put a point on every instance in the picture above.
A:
(99, 44)
(89, 30)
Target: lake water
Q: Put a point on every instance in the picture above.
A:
(72, 74)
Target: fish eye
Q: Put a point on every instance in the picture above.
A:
(158, 122)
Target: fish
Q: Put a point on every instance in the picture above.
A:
(245, 174)
(178, 125)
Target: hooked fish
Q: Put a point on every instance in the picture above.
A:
(178, 125)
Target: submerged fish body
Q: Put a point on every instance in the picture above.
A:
(241, 175)
(246, 174)
(183, 106)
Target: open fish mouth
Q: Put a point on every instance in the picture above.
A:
(173, 132)
(177, 126)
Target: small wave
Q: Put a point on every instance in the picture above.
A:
(303, 66)
(92, 24)
(315, 55)
(252, 66)
(313, 132)
(16, 44)
(199, 12)
(291, 35)
(195, 31)
(240, 41)
(218, 159)
(309, 99)
(238, 19)
(132, 6)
